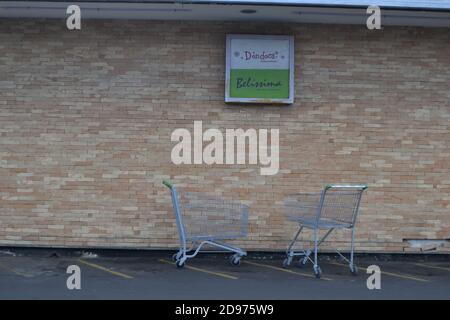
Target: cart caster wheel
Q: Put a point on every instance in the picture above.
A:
(303, 262)
(175, 256)
(287, 262)
(180, 264)
(354, 270)
(317, 272)
(235, 260)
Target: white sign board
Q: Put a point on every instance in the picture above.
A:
(259, 69)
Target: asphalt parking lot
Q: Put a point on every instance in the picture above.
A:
(41, 274)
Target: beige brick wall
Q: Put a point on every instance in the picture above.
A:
(86, 119)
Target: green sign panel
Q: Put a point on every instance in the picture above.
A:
(262, 84)
(259, 69)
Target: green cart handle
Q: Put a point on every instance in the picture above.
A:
(330, 186)
(168, 184)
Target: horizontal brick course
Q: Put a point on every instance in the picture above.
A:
(86, 118)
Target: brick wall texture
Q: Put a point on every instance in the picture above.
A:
(86, 119)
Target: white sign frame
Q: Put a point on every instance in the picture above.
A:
(229, 99)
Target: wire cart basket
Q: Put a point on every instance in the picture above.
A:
(203, 219)
(335, 207)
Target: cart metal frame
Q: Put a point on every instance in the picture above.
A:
(199, 240)
(327, 210)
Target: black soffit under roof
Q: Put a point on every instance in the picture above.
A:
(422, 5)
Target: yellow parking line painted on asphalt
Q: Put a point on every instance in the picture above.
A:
(397, 275)
(219, 274)
(4, 267)
(96, 266)
(431, 267)
(284, 270)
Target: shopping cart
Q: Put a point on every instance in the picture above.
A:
(203, 219)
(335, 207)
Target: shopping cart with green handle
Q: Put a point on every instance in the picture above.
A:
(335, 207)
(203, 219)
